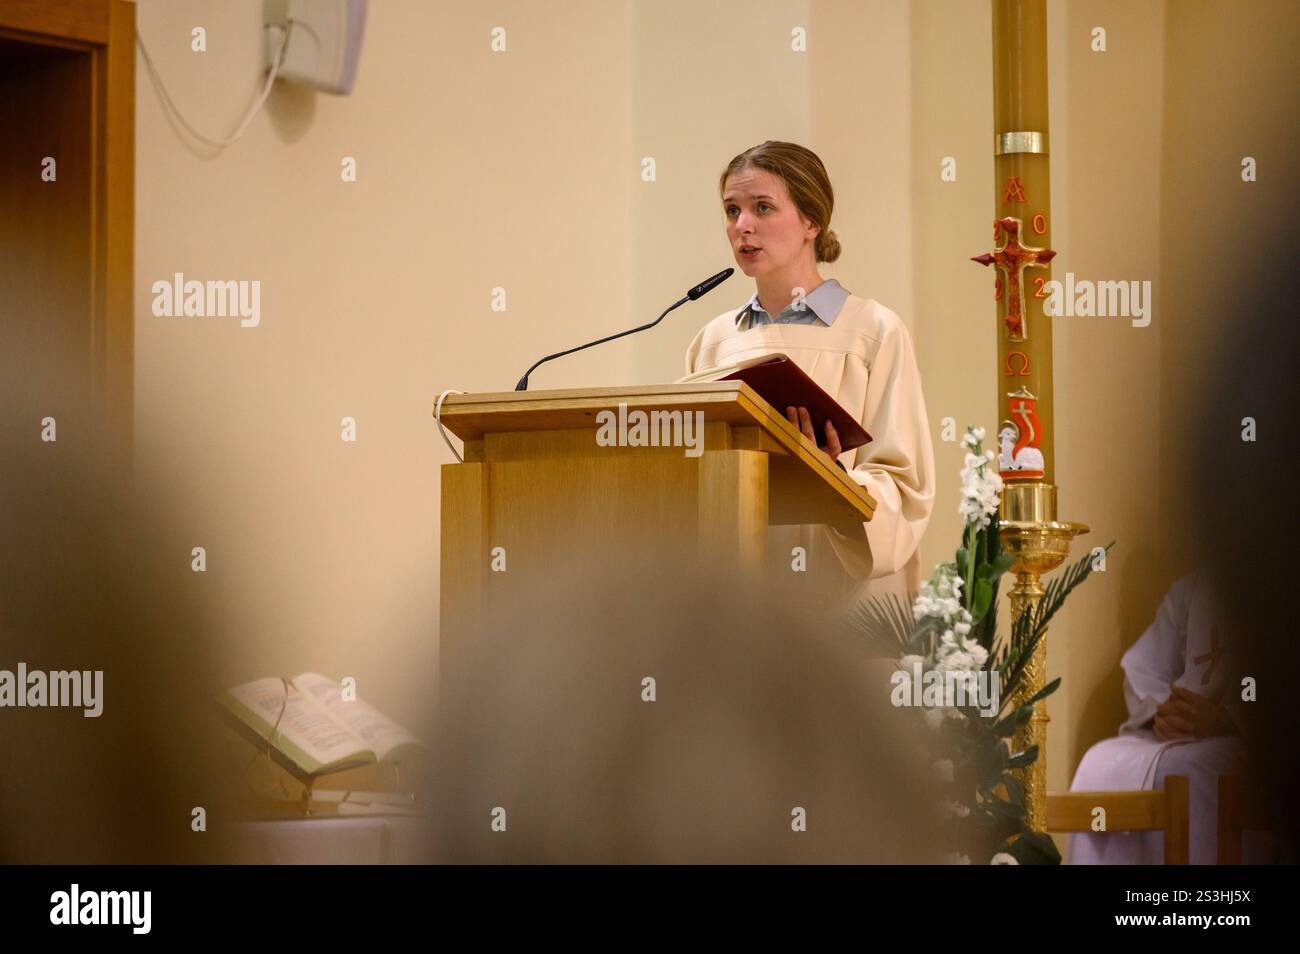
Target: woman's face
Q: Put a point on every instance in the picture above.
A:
(759, 212)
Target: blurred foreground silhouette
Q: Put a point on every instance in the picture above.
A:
(756, 715)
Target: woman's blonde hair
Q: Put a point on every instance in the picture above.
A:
(806, 179)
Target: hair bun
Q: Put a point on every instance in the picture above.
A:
(828, 246)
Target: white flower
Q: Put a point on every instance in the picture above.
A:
(1002, 858)
(956, 662)
(974, 436)
(954, 858)
(955, 808)
(943, 769)
(980, 485)
(940, 595)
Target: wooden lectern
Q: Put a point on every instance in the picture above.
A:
(538, 484)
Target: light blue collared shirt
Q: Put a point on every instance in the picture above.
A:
(822, 304)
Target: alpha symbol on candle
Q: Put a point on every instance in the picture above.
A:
(1015, 190)
(1019, 438)
(1013, 258)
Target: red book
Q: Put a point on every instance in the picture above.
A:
(782, 383)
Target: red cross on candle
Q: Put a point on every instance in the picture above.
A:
(1013, 258)
(1212, 657)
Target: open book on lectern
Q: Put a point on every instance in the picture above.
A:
(782, 383)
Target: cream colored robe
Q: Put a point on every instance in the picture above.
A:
(864, 359)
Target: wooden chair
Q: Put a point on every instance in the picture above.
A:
(1161, 810)
(1239, 811)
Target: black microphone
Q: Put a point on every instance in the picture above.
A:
(699, 290)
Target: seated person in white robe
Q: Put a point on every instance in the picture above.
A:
(1183, 695)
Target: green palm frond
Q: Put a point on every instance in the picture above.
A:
(886, 621)
(987, 632)
(1028, 630)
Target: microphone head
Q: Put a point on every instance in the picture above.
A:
(709, 284)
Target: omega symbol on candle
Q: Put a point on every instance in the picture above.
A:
(1017, 368)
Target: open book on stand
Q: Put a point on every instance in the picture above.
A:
(316, 729)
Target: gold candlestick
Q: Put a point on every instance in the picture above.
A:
(1030, 532)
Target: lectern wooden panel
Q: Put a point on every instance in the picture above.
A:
(539, 495)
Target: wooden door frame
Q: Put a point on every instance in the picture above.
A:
(105, 29)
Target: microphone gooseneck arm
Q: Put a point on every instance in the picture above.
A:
(523, 382)
(702, 288)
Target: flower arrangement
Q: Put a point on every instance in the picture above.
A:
(964, 680)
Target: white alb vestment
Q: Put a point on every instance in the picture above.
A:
(863, 359)
(1180, 648)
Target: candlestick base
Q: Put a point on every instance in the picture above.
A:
(1029, 531)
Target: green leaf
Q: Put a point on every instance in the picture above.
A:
(1002, 563)
(1012, 721)
(983, 597)
(961, 562)
(1038, 847)
(1021, 759)
(1044, 692)
(994, 763)
(1007, 809)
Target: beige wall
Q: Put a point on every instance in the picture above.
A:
(474, 171)
(522, 170)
